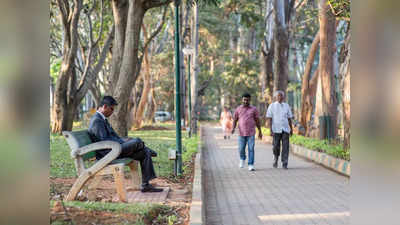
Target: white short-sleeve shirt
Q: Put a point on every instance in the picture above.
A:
(280, 113)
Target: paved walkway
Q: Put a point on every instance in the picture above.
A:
(306, 193)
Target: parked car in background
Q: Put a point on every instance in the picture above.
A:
(161, 116)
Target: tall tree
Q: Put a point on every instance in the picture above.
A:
(61, 113)
(281, 43)
(306, 91)
(326, 103)
(345, 86)
(70, 90)
(267, 58)
(196, 68)
(127, 39)
(146, 73)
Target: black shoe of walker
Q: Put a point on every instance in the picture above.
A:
(285, 166)
(150, 188)
(275, 165)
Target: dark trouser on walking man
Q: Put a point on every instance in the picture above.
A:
(278, 138)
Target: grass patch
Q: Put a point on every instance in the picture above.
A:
(152, 213)
(138, 208)
(61, 163)
(321, 146)
(324, 146)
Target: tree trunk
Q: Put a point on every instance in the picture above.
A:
(128, 73)
(345, 71)
(311, 98)
(196, 68)
(281, 41)
(270, 72)
(306, 97)
(96, 95)
(263, 81)
(235, 39)
(151, 107)
(270, 52)
(65, 119)
(146, 85)
(127, 76)
(267, 59)
(181, 63)
(62, 115)
(346, 110)
(252, 37)
(267, 74)
(120, 14)
(133, 103)
(327, 101)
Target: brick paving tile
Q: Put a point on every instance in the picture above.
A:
(305, 194)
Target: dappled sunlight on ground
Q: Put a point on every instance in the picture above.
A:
(300, 216)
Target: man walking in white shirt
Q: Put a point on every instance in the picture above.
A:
(280, 121)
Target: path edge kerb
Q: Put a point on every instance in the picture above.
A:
(340, 166)
(197, 214)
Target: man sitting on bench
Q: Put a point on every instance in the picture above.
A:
(101, 130)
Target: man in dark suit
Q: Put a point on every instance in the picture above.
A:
(101, 130)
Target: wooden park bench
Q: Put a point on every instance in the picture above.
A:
(83, 149)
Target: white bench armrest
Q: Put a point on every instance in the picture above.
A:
(96, 146)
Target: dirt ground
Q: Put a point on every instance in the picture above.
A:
(179, 198)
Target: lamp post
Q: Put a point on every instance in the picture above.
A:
(178, 160)
(189, 51)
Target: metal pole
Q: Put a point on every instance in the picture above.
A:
(190, 99)
(177, 94)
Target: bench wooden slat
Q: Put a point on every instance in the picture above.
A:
(125, 161)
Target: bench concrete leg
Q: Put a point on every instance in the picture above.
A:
(119, 181)
(135, 174)
(82, 179)
(94, 183)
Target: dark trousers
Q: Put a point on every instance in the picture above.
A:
(284, 138)
(135, 149)
(143, 156)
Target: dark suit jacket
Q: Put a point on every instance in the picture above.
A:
(101, 130)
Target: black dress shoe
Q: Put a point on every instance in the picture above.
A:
(150, 188)
(285, 166)
(275, 165)
(153, 153)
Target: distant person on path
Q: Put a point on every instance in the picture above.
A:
(101, 130)
(226, 122)
(280, 122)
(248, 117)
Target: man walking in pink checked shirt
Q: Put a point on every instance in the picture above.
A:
(248, 117)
